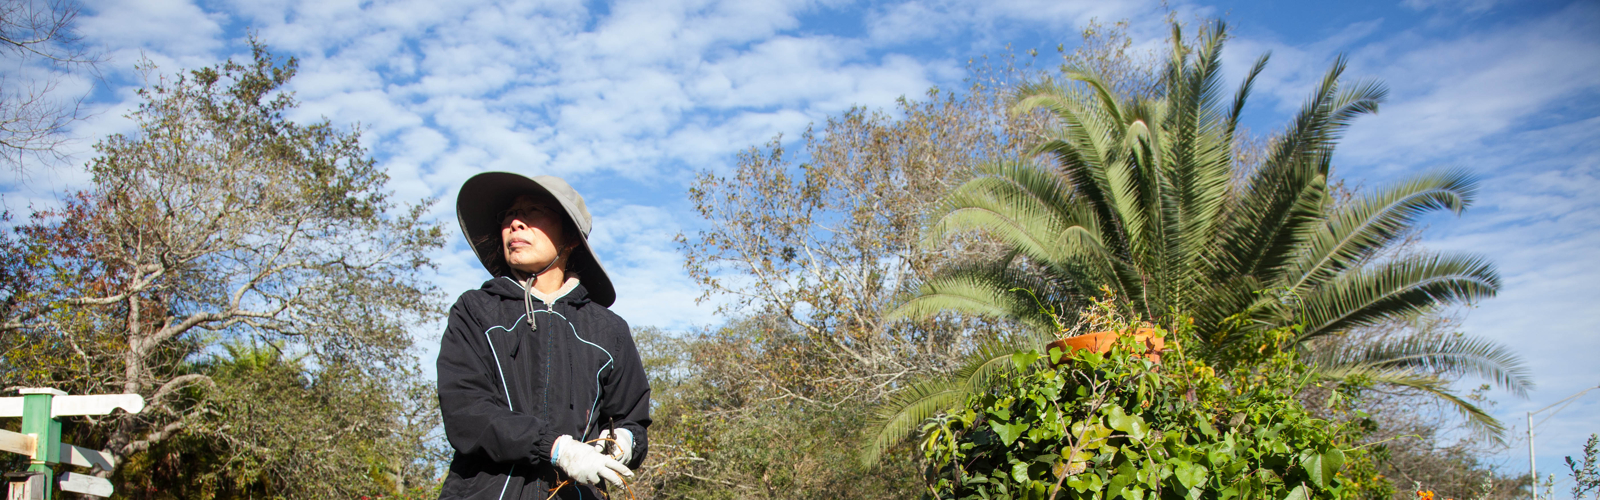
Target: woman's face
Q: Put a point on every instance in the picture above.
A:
(531, 235)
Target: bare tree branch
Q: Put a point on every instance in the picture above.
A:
(32, 120)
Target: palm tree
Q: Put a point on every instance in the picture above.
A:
(1147, 198)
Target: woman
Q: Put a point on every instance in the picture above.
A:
(540, 384)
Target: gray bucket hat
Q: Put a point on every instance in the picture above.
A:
(486, 194)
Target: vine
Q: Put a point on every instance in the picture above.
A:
(1117, 425)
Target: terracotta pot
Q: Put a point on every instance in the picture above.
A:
(1101, 342)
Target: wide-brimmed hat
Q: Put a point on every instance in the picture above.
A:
(486, 194)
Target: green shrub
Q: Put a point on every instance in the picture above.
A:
(1118, 425)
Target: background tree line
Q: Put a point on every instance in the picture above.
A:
(841, 300)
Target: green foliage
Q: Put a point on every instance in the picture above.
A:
(1585, 473)
(1117, 425)
(822, 240)
(903, 412)
(234, 225)
(1146, 196)
(722, 431)
(273, 426)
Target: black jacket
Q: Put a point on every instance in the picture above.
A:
(580, 355)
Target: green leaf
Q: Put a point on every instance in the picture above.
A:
(1229, 492)
(1038, 491)
(1000, 413)
(1131, 424)
(1019, 472)
(1094, 359)
(1298, 493)
(1051, 388)
(1008, 432)
(1078, 482)
(1322, 466)
(1332, 460)
(1190, 474)
(1023, 359)
(1056, 354)
(1117, 483)
(1311, 461)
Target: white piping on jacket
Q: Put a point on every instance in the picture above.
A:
(527, 303)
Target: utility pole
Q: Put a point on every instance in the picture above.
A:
(1533, 474)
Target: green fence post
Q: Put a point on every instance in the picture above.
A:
(36, 420)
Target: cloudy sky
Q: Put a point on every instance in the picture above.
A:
(627, 100)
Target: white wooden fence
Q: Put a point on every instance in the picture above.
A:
(40, 441)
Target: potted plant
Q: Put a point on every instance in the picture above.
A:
(1149, 339)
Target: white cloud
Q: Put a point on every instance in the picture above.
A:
(909, 21)
(172, 28)
(642, 260)
(1468, 6)
(1450, 93)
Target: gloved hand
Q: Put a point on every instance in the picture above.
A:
(585, 464)
(621, 449)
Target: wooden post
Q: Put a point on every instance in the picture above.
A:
(37, 420)
(25, 486)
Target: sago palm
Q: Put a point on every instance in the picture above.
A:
(1146, 197)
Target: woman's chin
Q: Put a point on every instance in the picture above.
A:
(527, 266)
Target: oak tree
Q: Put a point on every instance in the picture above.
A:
(222, 221)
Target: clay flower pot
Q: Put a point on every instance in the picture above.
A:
(1101, 342)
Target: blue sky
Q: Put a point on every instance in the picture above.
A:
(628, 99)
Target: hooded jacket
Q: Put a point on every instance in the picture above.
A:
(507, 391)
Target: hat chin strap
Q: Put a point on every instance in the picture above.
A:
(541, 271)
(527, 293)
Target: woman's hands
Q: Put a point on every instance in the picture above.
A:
(622, 444)
(586, 464)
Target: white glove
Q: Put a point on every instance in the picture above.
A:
(586, 465)
(622, 449)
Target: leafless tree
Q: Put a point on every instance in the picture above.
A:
(39, 46)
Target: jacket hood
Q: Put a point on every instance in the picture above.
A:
(506, 288)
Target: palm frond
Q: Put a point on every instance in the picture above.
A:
(1270, 216)
(1224, 301)
(1374, 222)
(1269, 222)
(1394, 289)
(995, 290)
(902, 413)
(1443, 354)
(1478, 420)
(1243, 93)
(1362, 98)
(907, 410)
(1031, 210)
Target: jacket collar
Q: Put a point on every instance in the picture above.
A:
(505, 287)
